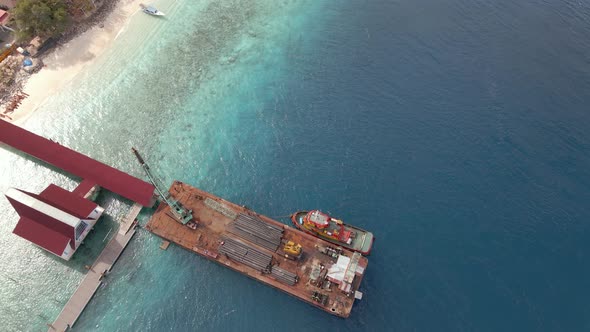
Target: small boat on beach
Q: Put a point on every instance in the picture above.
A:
(151, 10)
(333, 230)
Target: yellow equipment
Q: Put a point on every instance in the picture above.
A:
(292, 250)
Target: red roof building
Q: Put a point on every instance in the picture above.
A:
(56, 220)
(4, 17)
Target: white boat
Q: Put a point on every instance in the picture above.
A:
(151, 10)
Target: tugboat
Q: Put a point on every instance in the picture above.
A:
(333, 230)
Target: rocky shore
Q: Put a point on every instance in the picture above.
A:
(97, 18)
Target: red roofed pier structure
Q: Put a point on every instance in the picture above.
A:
(56, 220)
(91, 171)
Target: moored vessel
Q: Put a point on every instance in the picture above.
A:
(150, 10)
(273, 253)
(325, 227)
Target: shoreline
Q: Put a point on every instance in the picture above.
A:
(75, 51)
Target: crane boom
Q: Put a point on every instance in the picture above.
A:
(181, 214)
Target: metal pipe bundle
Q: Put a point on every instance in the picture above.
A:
(284, 276)
(256, 220)
(253, 238)
(257, 231)
(245, 254)
(220, 207)
(254, 262)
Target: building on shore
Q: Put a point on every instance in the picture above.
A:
(4, 17)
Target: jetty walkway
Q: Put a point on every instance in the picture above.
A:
(93, 173)
(93, 279)
(128, 221)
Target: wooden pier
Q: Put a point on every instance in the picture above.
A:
(130, 218)
(93, 279)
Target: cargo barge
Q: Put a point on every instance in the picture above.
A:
(273, 253)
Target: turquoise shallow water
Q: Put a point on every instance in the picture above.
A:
(184, 90)
(456, 131)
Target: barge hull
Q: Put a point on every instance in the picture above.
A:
(216, 218)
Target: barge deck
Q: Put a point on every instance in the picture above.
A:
(247, 242)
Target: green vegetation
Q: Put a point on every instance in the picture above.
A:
(45, 18)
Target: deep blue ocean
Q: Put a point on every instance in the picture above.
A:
(457, 131)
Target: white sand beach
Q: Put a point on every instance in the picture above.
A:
(69, 60)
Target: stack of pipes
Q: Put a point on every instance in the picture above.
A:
(284, 276)
(245, 254)
(257, 231)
